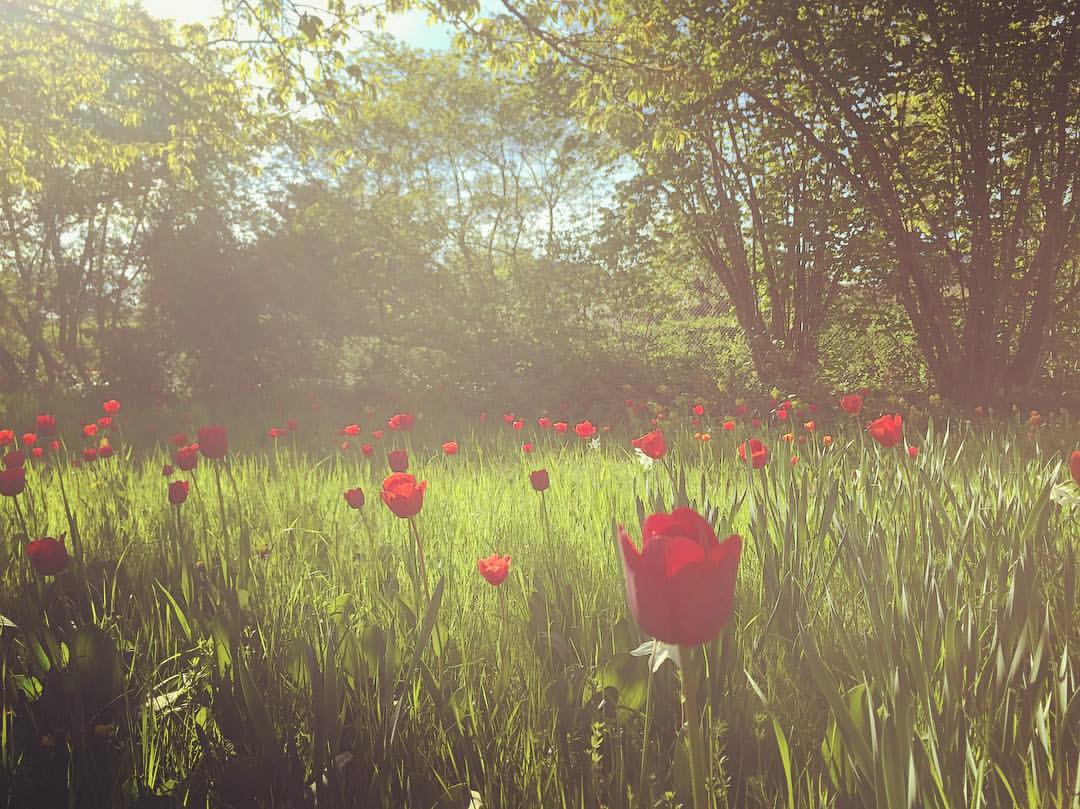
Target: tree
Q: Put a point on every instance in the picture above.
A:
(107, 118)
(427, 237)
(952, 127)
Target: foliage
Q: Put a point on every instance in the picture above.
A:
(903, 629)
(948, 135)
(108, 117)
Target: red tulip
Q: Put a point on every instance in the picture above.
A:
(449, 448)
(681, 584)
(755, 422)
(167, 470)
(180, 439)
(14, 459)
(544, 422)
(89, 454)
(12, 481)
(782, 414)
(105, 451)
(527, 447)
(398, 460)
(887, 430)
(213, 441)
(354, 497)
(652, 444)
(508, 418)
(275, 432)
(54, 445)
(852, 403)
(187, 457)
(403, 495)
(585, 429)
(759, 453)
(376, 434)
(37, 452)
(560, 426)
(105, 422)
(112, 407)
(1074, 465)
(46, 425)
(7, 437)
(699, 410)
(367, 449)
(495, 568)
(729, 426)
(178, 492)
(518, 424)
(90, 430)
(351, 429)
(29, 439)
(913, 452)
(794, 460)
(48, 556)
(540, 480)
(401, 421)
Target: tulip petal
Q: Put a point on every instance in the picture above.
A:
(683, 522)
(704, 594)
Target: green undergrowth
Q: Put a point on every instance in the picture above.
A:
(904, 634)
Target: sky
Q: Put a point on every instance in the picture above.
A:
(411, 27)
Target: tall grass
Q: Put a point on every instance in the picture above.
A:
(904, 634)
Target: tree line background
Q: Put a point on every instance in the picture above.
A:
(584, 198)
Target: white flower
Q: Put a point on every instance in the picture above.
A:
(644, 459)
(659, 652)
(595, 443)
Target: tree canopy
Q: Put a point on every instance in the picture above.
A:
(739, 194)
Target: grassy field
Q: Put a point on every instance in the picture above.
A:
(905, 629)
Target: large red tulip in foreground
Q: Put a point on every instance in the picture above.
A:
(681, 584)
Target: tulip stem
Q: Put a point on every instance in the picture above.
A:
(644, 798)
(178, 547)
(694, 738)
(19, 514)
(76, 540)
(420, 556)
(202, 502)
(544, 517)
(503, 615)
(221, 499)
